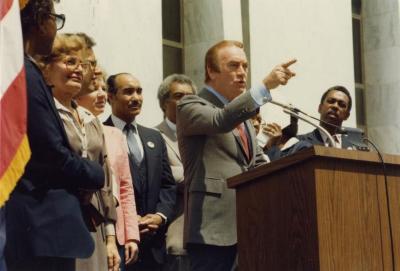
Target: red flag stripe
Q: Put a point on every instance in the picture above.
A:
(11, 48)
(13, 108)
(5, 6)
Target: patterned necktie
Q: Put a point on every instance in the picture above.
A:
(133, 145)
(243, 137)
(337, 141)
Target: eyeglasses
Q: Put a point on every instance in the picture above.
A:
(59, 18)
(177, 95)
(73, 63)
(93, 64)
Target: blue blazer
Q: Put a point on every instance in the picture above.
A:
(43, 214)
(159, 193)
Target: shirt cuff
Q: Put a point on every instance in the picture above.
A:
(109, 228)
(163, 217)
(260, 94)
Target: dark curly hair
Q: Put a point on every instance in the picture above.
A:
(34, 12)
(341, 89)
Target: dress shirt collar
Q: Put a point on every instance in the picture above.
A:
(85, 115)
(61, 107)
(31, 58)
(171, 125)
(216, 93)
(120, 124)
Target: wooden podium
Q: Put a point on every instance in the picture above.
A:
(320, 209)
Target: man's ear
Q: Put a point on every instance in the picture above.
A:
(110, 97)
(211, 73)
(319, 108)
(347, 115)
(164, 107)
(41, 26)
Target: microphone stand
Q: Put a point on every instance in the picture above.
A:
(293, 113)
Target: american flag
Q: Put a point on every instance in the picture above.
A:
(14, 145)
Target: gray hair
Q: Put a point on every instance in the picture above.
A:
(164, 88)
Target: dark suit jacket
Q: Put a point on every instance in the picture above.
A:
(43, 214)
(159, 194)
(308, 140)
(315, 138)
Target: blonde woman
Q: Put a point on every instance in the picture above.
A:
(64, 71)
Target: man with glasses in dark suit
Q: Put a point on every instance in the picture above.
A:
(45, 228)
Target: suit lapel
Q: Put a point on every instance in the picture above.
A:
(148, 154)
(252, 140)
(207, 95)
(316, 138)
(236, 134)
(109, 122)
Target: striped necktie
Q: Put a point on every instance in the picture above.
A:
(244, 138)
(133, 145)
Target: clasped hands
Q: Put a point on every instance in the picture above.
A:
(150, 223)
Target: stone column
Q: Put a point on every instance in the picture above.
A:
(205, 23)
(318, 34)
(382, 73)
(129, 39)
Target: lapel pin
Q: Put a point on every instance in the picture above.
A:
(150, 144)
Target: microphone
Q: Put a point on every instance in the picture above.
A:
(320, 128)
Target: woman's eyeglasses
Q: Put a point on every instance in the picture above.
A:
(73, 63)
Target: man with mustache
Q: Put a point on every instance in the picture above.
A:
(154, 185)
(217, 141)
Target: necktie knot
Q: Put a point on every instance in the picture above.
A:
(130, 128)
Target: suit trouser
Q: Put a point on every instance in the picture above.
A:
(145, 262)
(2, 238)
(121, 251)
(177, 263)
(207, 257)
(42, 264)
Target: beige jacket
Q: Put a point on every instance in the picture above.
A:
(174, 238)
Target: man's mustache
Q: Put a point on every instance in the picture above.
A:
(135, 104)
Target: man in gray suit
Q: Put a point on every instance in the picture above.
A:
(171, 90)
(217, 141)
